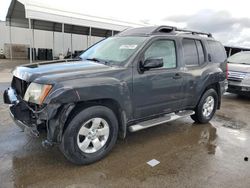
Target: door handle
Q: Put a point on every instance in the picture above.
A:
(177, 76)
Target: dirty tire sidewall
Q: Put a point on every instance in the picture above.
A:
(69, 146)
(198, 116)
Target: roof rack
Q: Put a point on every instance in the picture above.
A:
(170, 29)
(194, 32)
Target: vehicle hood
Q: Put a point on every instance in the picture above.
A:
(54, 71)
(239, 67)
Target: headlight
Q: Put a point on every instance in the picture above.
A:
(36, 93)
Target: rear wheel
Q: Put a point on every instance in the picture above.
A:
(90, 135)
(206, 108)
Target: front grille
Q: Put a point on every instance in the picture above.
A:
(236, 76)
(19, 85)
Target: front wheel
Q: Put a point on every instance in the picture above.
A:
(90, 135)
(206, 108)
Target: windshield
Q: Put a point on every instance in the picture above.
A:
(241, 58)
(114, 50)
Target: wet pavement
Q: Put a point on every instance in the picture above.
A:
(190, 155)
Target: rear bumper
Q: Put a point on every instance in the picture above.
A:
(238, 88)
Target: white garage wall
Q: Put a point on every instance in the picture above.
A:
(20, 35)
(4, 35)
(79, 42)
(95, 39)
(67, 43)
(59, 43)
(44, 39)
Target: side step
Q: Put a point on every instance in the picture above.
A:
(160, 120)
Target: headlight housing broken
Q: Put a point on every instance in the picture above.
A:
(36, 93)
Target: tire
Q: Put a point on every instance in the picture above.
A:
(82, 146)
(200, 115)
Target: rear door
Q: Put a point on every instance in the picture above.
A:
(194, 61)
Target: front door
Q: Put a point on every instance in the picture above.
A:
(158, 90)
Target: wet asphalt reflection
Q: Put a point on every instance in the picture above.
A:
(191, 155)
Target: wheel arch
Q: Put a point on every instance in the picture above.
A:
(216, 87)
(107, 102)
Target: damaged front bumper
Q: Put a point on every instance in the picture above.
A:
(30, 117)
(18, 112)
(24, 127)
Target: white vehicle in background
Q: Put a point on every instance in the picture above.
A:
(239, 73)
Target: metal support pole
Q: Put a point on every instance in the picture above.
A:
(33, 41)
(90, 33)
(10, 41)
(87, 41)
(30, 41)
(71, 45)
(230, 51)
(53, 45)
(112, 32)
(63, 39)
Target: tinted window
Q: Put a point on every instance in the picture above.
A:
(164, 49)
(217, 51)
(200, 51)
(190, 52)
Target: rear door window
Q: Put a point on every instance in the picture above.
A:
(191, 57)
(200, 52)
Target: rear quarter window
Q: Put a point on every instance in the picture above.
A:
(216, 51)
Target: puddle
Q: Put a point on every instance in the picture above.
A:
(230, 123)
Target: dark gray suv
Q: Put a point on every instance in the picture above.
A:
(137, 79)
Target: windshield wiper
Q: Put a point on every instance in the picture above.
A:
(98, 60)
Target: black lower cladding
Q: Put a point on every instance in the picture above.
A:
(21, 112)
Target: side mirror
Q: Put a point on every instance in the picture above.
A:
(151, 63)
